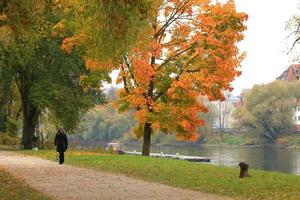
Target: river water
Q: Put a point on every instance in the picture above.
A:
(270, 159)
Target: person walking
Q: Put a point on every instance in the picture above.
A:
(61, 143)
(35, 141)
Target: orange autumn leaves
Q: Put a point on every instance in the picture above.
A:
(142, 69)
(69, 43)
(191, 52)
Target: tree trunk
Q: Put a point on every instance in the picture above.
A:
(30, 118)
(3, 118)
(222, 140)
(4, 101)
(147, 139)
(147, 127)
(270, 137)
(42, 140)
(269, 133)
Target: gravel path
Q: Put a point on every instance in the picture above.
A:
(80, 183)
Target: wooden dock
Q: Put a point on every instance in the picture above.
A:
(177, 156)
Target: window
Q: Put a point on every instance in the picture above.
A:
(298, 118)
(298, 108)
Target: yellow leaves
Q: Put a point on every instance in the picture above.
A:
(139, 130)
(96, 65)
(157, 107)
(70, 42)
(3, 17)
(58, 29)
(82, 77)
(121, 92)
(5, 35)
(137, 100)
(65, 4)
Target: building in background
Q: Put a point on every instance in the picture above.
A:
(292, 73)
(224, 112)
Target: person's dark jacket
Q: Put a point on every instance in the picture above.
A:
(61, 142)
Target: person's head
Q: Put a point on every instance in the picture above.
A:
(61, 130)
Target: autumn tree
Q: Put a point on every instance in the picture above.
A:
(46, 76)
(269, 109)
(189, 51)
(103, 30)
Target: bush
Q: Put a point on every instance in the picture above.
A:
(12, 127)
(6, 139)
(49, 144)
(233, 140)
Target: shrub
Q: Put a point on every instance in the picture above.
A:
(6, 139)
(49, 144)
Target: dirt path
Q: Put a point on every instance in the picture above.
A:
(79, 183)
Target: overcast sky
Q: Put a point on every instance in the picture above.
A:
(265, 41)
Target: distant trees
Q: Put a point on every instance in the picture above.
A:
(269, 109)
(105, 124)
(209, 118)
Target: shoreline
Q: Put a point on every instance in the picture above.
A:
(221, 145)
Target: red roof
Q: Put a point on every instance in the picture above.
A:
(290, 74)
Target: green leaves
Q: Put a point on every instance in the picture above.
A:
(106, 124)
(57, 85)
(111, 27)
(46, 76)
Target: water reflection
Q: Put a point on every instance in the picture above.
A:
(270, 159)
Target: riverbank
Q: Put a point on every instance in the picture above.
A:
(195, 176)
(229, 140)
(279, 146)
(14, 189)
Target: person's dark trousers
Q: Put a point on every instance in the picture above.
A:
(61, 157)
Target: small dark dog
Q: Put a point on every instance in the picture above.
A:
(244, 170)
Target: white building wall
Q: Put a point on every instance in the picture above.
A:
(297, 115)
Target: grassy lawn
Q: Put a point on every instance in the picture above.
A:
(13, 189)
(203, 177)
